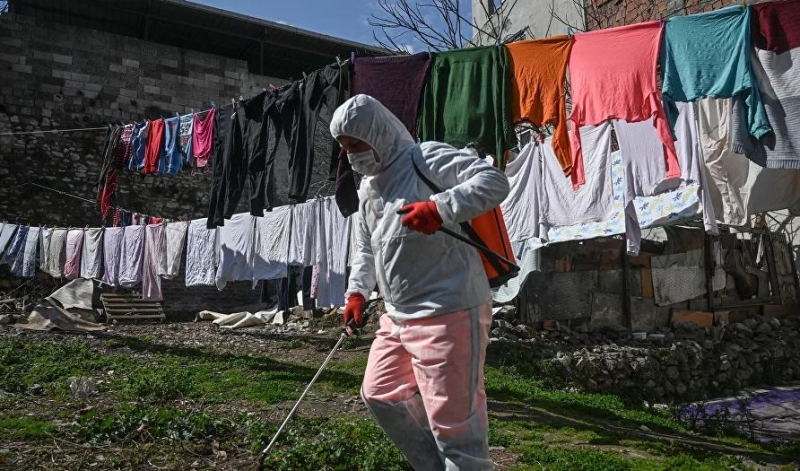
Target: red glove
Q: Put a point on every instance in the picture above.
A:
(421, 217)
(354, 310)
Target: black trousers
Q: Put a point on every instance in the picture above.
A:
(227, 168)
(284, 289)
(294, 116)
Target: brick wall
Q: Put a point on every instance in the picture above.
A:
(609, 13)
(54, 76)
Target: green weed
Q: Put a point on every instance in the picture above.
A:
(141, 423)
(25, 427)
(332, 445)
(162, 384)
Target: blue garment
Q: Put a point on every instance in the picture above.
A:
(171, 161)
(138, 143)
(709, 55)
(16, 249)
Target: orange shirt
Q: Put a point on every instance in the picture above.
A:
(539, 69)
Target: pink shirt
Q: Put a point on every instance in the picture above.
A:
(203, 138)
(613, 76)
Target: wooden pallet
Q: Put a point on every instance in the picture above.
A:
(130, 307)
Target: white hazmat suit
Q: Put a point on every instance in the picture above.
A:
(424, 377)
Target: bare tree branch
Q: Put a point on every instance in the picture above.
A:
(438, 24)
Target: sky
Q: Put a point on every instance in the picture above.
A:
(347, 19)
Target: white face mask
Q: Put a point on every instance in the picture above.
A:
(365, 163)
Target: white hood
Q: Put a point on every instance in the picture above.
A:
(366, 119)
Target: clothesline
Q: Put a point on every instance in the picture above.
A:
(49, 131)
(63, 193)
(67, 130)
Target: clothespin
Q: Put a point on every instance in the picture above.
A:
(213, 104)
(305, 76)
(338, 61)
(569, 31)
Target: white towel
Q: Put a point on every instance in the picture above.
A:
(272, 244)
(130, 267)
(304, 226)
(333, 239)
(6, 234)
(56, 257)
(176, 238)
(92, 258)
(154, 255)
(201, 254)
(72, 266)
(236, 244)
(112, 252)
(560, 203)
(45, 236)
(521, 206)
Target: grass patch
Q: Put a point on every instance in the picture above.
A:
(156, 372)
(554, 458)
(25, 427)
(331, 445)
(507, 384)
(160, 384)
(139, 423)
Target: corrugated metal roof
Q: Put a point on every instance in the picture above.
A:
(269, 48)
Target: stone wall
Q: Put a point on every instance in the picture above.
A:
(54, 76)
(675, 364)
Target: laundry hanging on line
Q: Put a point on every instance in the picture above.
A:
(245, 249)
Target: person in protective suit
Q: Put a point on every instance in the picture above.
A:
(424, 377)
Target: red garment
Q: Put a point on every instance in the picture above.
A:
(778, 26)
(155, 146)
(613, 76)
(126, 145)
(203, 137)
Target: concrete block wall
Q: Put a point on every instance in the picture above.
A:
(54, 76)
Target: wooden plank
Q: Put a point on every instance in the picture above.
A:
(135, 317)
(133, 310)
(131, 307)
(121, 303)
(773, 311)
(699, 318)
(647, 283)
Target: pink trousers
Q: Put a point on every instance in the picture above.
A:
(424, 386)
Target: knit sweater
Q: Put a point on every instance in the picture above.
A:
(776, 37)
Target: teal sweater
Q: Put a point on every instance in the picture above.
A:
(709, 55)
